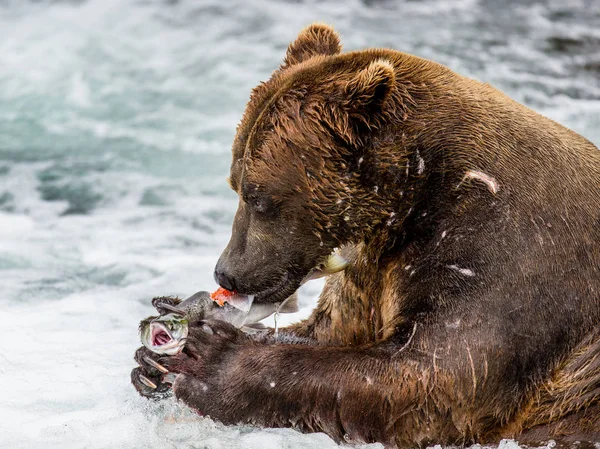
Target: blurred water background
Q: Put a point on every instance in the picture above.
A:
(116, 119)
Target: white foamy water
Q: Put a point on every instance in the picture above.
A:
(116, 119)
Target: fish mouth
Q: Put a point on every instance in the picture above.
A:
(161, 341)
(160, 335)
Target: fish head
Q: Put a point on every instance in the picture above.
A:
(165, 334)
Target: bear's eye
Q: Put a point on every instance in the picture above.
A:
(261, 204)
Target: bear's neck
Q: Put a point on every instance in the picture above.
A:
(404, 192)
(412, 175)
(407, 197)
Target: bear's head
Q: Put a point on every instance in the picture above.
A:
(303, 166)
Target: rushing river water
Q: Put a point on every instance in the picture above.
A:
(116, 119)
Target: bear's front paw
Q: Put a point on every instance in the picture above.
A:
(152, 378)
(203, 366)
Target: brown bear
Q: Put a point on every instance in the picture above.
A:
(470, 309)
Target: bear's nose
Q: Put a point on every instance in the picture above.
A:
(224, 279)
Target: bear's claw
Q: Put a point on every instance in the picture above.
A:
(151, 378)
(155, 364)
(147, 382)
(169, 307)
(166, 304)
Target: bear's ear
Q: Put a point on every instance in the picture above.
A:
(370, 88)
(316, 39)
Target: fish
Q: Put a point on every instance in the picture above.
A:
(334, 263)
(167, 333)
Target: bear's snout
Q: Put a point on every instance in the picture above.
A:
(224, 276)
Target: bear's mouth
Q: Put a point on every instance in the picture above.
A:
(290, 282)
(283, 289)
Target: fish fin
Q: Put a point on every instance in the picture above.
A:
(241, 302)
(333, 264)
(290, 305)
(259, 312)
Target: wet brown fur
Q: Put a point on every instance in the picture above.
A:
(466, 314)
